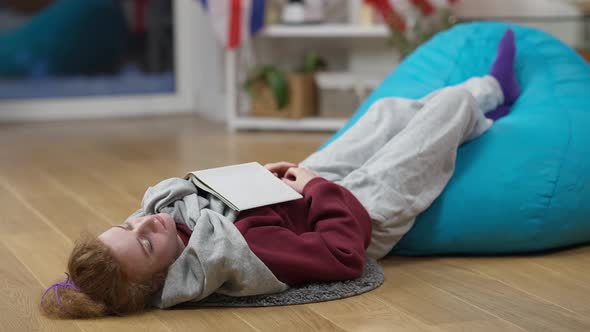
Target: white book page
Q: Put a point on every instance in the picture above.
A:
(206, 188)
(247, 186)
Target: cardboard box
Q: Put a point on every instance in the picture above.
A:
(303, 98)
(336, 103)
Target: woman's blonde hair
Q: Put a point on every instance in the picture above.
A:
(98, 286)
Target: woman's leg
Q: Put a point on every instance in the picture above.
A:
(409, 171)
(486, 90)
(410, 146)
(384, 119)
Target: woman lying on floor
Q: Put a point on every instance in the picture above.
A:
(362, 193)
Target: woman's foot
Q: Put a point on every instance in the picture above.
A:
(499, 112)
(503, 71)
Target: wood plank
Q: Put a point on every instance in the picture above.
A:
(13, 213)
(103, 199)
(288, 318)
(566, 259)
(493, 296)
(420, 299)
(147, 322)
(131, 177)
(39, 194)
(45, 254)
(20, 299)
(494, 325)
(567, 290)
(203, 319)
(369, 312)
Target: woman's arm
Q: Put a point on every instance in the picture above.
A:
(333, 249)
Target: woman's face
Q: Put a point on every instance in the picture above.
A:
(145, 245)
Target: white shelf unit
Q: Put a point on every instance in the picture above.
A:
(236, 122)
(326, 31)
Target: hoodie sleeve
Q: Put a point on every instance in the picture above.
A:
(165, 193)
(333, 248)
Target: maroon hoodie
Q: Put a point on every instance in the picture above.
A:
(321, 237)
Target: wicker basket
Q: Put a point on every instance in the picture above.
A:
(303, 98)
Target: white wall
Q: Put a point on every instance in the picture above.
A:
(570, 31)
(487, 8)
(208, 67)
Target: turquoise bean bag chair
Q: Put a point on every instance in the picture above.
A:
(524, 186)
(70, 37)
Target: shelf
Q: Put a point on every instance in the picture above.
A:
(326, 31)
(305, 124)
(360, 84)
(347, 80)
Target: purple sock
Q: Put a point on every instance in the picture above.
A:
(503, 68)
(499, 112)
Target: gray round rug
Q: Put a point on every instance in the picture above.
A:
(317, 292)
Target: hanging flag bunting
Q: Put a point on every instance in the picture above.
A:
(424, 5)
(390, 16)
(399, 14)
(235, 21)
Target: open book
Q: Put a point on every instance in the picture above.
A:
(243, 186)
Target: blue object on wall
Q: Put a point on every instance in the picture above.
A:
(524, 186)
(68, 37)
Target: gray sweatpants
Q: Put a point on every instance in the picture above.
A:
(400, 155)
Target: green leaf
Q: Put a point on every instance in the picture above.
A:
(279, 86)
(272, 77)
(312, 63)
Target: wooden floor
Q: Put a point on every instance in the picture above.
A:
(57, 179)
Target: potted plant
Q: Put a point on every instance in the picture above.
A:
(275, 93)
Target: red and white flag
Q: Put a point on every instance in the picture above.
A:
(235, 21)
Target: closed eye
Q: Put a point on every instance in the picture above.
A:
(147, 244)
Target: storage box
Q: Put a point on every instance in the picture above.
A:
(334, 103)
(303, 98)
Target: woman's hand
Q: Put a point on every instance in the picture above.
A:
(279, 169)
(297, 178)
